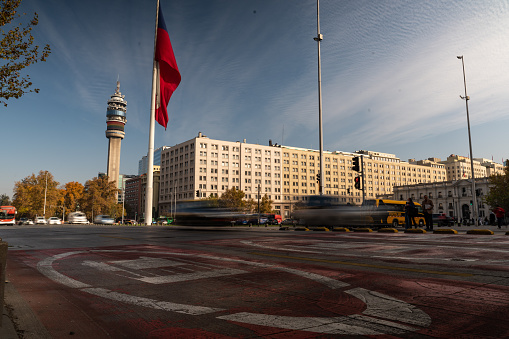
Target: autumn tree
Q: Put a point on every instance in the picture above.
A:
(266, 204)
(232, 199)
(72, 195)
(250, 205)
(498, 194)
(99, 197)
(17, 50)
(36, 195)
(4, 200)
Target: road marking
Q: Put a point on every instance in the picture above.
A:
(377, 318)
(393, 268)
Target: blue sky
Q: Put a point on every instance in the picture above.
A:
(390, 79)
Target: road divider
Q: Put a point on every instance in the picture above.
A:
(362, 229)
(324, 229)
(340, 229)
(478, 231)
(388, 230)
(415, 230)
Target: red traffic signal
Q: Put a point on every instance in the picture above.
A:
(357, 184)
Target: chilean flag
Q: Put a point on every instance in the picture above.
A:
(168, 75)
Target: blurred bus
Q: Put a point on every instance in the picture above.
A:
(8, 215)
(324, 210)
(204, 213)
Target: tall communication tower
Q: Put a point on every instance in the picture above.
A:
(115, 121)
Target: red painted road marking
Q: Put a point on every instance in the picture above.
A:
(378, 318)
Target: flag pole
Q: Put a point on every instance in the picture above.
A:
(150, 166)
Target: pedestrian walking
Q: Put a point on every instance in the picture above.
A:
(409, 213)
(427, 209)
(499, 213)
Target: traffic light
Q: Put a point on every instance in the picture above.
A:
(356, 167)
(471, 202)
(318, 177)
(197, 193)
(357, 184)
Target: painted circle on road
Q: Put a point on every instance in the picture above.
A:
(382, 314)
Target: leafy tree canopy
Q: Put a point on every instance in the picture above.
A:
(37, 195)
(17, 51)
(99, 197)
(4, 200)
(499, 190)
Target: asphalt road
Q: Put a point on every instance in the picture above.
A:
(170, 282)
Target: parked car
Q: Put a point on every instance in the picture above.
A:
(29, 222)
(442, 219)
(40, 220)
(77, 218)
(289, 222)
(22, 221)
(54, 221)
(104, 220)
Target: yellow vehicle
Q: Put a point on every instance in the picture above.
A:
(384, 212)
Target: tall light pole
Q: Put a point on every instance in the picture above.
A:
(45, 191)
(319, 37)
(472, 174)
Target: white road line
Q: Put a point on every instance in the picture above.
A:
(190, 276)
(386, 307)
(151, 303)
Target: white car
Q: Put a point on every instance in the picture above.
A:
(54, 221)
(40, 220)
(104, 220)
(77, 218)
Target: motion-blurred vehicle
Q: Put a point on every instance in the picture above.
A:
(204, 213)
(54, 221)
(77, 218)
(104, 220)
(323, 210)
(40, 221)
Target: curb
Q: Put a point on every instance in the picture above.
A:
(415, 230)
(388, 230)
(324, 229)
(364, 229)
(301, 229)
(341, 229)
(478, 231)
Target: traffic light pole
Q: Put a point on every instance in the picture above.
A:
(363, 180)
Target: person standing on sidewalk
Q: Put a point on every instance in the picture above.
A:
(499, 213)
(427, 209)
(409, 213)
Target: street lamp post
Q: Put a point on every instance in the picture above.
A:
(472, 174)
(319, 37)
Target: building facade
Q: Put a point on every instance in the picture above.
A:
(201, 167)
(453, 198)
(143, 163)
(459, 167)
